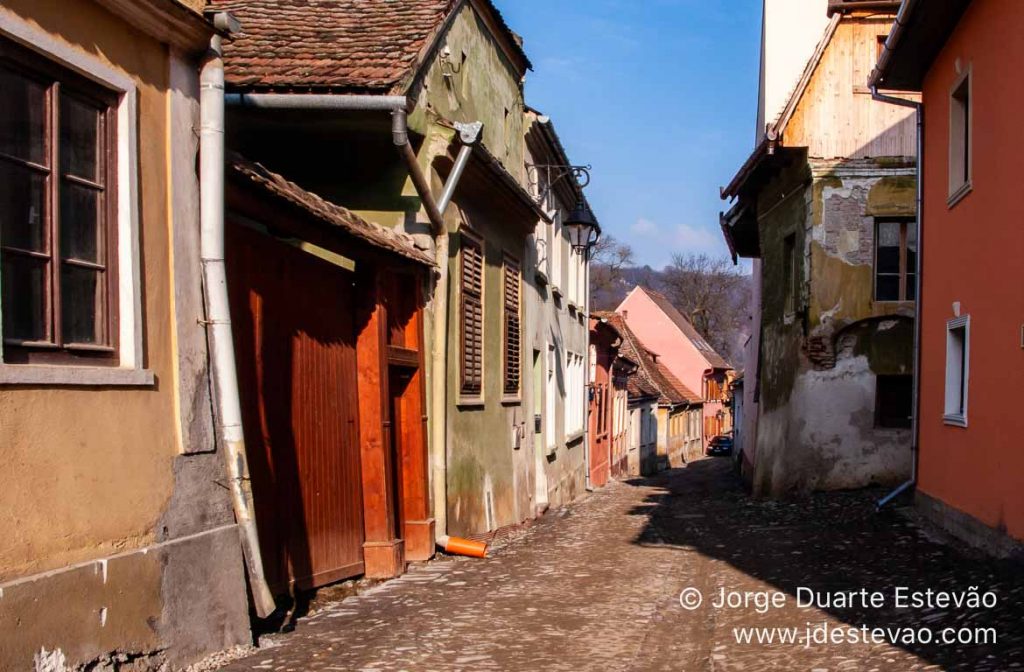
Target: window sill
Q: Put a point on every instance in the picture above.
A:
(541, 276)
(511, 401)
(470, 402)
(959, 194)
(75, 376)
(556, 291)
(955, 420)
(573, 438)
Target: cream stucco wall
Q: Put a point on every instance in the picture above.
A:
(119, 536)
(88, 471)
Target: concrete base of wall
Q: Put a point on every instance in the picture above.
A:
(824, 437)
(165, 605)
(967, 528)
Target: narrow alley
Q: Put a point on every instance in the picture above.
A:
(596, 585)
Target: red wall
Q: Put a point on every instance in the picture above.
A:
(600, 434)
(974, 254)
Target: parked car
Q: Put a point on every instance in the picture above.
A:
(720, 445)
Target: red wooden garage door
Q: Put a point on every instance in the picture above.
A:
(295, 345)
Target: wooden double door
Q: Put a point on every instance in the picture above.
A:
(295, 342)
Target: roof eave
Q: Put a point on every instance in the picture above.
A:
(849, 6)
(166, 20)
(919, 33)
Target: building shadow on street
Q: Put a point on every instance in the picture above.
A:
(836, 542)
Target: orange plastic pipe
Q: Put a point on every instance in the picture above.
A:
(467, 547)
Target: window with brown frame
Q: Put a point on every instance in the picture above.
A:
(513, 328)
(472, 314)
(895, 260)
(58, 238)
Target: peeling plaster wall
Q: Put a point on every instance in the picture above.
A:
(491, 480)
(475, 83)
(816, 427)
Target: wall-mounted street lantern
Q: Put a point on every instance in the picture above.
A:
(583, 229)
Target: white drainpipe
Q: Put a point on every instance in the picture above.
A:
(218, 315)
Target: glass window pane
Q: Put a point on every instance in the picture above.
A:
(911, 287)
(80, 235)
(79, 139)
(888, 234)
(22, 118)
(911, 249)
(22, 208)
(888, 260)
(81, 300)
(24, 298)
(888, 288)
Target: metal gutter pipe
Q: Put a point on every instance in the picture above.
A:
(918, 265)
(400, 137)
(588, 484)
(470, 135)
(218, 315)
(312, 101)
(895, 35)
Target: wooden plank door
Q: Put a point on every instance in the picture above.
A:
(295, 345)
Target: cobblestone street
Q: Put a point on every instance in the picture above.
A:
(596, 586)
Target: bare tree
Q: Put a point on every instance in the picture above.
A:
(608, 262)
(715, 295)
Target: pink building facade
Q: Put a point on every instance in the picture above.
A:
(690, 358)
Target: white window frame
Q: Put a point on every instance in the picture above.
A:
(957, 190)
(129, 371)
(574, 414)
(543, 251)
(552, 395)
(957, 378)
(555, 253)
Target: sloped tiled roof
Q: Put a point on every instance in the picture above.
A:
(374, 234)
(650, 373)
(636, 387)
(714, 359)
(366, 45)
(677, 385)
(369, 46)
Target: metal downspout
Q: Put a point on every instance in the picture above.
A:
(218, 316)
(588, 485)
(915, 429)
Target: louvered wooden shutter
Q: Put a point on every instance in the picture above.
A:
(472, 316)
(513, 335)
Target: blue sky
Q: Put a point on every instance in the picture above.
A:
(660, 96)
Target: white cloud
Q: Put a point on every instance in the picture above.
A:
(644, 227)
(693, 239)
